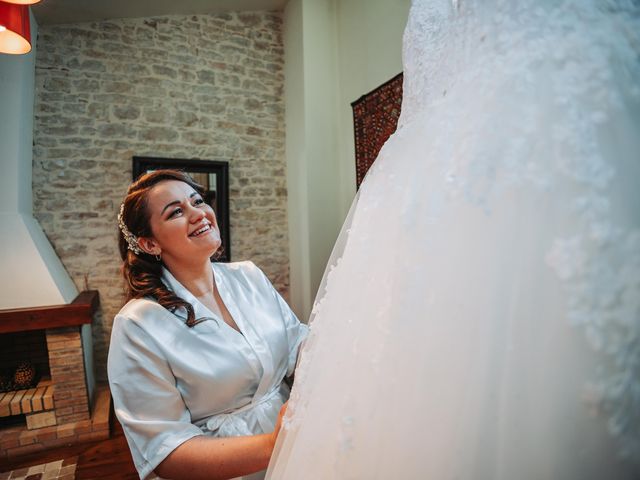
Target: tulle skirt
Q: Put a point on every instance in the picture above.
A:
(480, 317)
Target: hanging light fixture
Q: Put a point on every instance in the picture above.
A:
(15, 28)
(22, 2)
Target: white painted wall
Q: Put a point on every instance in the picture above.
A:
(370, 35)
(335, 51)
(16, 134)
(295, 153)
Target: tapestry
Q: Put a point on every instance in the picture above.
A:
(375, 118)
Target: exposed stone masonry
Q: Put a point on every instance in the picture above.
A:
(205, 86)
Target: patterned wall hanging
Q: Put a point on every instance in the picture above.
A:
(375, 118)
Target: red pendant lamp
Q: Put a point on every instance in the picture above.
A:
(15, 28)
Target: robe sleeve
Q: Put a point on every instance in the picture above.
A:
(296, 331)
(147, 403)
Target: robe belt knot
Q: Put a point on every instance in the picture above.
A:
(233, 424)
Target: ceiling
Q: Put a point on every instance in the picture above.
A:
(49, 12)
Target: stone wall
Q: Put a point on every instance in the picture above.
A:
(206, 86)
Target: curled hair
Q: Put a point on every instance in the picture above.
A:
(143, 273)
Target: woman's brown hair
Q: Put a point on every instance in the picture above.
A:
(143, 272)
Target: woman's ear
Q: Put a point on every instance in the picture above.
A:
(149, 245)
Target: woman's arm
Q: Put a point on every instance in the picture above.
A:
(211, 458)
(217, 458)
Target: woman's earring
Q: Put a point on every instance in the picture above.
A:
(159, 258)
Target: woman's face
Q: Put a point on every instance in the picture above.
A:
(183, 226)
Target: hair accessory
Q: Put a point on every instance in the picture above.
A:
(132, 240)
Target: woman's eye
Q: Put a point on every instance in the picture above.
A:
(198, 201)
(175, 212)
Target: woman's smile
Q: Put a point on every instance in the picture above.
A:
(203, 230)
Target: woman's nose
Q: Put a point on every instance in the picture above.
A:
(196, 214)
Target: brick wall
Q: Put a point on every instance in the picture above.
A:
(208, 87)
(67, 373)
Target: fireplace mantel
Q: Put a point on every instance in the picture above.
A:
(76, 313)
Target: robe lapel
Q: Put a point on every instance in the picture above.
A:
(243, 302)
(198, 308)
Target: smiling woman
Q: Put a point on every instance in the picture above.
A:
(182, 225)
(211, 175)
(199, 353)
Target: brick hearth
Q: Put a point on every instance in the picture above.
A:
(16, 441)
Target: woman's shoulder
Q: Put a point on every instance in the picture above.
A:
(142, 313)
(140, 308)
(141, 331)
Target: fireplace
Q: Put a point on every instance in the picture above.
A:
(43, 319)
(57, 408)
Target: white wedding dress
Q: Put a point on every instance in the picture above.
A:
(480, 317)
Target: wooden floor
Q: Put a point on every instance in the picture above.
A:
(103, 460)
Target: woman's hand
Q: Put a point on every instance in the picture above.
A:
(276, 430)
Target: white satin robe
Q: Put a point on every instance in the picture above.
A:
(170, 382)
